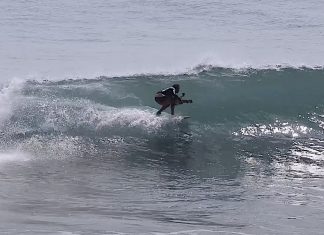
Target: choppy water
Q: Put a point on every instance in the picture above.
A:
(82, 152)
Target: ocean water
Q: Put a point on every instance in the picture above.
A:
(82, 152)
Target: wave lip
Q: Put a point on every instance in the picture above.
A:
(189, 69)
(8, 92)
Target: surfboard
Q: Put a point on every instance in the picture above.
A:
(179, 117)
(182, 117)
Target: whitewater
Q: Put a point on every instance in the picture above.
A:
(82, 151)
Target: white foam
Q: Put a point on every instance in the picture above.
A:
(191, 66)
(132, 117)
(56, 147)
(14, 156)
(8, 93)
(86, 114)
(208, 62)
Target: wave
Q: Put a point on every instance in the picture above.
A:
(219, 94)
(274, 112)
(193, 68)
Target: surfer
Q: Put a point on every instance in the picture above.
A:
(169, 97)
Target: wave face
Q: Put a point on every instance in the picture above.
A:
(274, 113)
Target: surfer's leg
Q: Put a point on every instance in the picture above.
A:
(162, 109)
(172, 109)
(174, 101)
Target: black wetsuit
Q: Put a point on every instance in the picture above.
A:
(165, 94)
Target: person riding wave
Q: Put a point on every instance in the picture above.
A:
(168, 97)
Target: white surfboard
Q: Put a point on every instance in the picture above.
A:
(185, 117)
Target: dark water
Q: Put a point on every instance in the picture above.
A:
(90, 156)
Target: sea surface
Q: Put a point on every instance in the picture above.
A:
(82, 151)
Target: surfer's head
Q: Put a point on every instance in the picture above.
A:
(176, 87)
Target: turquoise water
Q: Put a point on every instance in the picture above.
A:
(82, 152)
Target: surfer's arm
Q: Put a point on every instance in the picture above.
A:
(186, 101)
